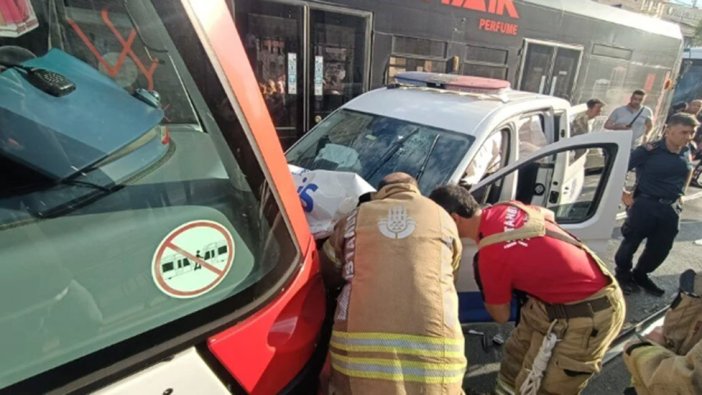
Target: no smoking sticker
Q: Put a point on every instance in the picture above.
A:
(193, 259)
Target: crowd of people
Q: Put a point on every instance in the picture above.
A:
(394, 260)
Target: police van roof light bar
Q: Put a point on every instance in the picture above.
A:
(478, 86)
(462, 83)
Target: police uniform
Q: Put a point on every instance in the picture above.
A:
(573, 300)
(655, 215)
(396, 327)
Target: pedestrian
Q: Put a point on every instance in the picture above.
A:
(634, 116)
(396, 327)
(663, 171)
(574, 306)
(669, 359)
(676, 108)
(694, 107)
(581, 123)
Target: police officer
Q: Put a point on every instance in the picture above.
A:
(574, 310)
(663, 171)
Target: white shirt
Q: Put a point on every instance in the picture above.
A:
(624, 115)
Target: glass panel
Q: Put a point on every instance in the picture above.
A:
(88, 259)
(487, 55)
(564, 72)
(374, 146)
(397, 61)
(272, 33)
(690, 84)
(487, 71)
(531, 133)
(418, 46)
(338, 61)
(536, 68)
(611, 52)
(579, 192)
(576, 197)
(393, 71)
(413, 64)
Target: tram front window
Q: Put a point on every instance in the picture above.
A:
(127, 216)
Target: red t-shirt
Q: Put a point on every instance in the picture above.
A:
(546, 268)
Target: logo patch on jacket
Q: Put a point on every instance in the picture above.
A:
(398, 224)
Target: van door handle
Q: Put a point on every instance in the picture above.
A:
(553, 197)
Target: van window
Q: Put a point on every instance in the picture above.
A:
(531, 133)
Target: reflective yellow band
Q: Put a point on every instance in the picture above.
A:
(398, 370)
(396, 343)
(397, 336)
(397, 350)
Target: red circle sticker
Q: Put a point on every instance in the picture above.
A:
(193, 259)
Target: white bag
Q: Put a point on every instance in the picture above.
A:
(327, 196)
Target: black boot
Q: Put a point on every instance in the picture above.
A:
(626, 282)
(647, 284)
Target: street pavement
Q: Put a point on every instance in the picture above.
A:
(483, 363)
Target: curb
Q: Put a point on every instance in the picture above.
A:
(686, 198)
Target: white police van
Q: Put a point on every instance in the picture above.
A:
(504, 144)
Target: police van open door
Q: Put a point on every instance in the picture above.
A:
(589, 212)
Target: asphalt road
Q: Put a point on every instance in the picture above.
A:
(483, 364)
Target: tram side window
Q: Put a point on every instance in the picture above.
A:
(416, 54)
(401, 64)
(690, 82)
(485, 70)
(485, 62)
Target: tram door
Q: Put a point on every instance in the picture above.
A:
(550, 68)
(309, 59)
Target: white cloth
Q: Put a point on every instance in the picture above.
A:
(327, 196)
(487, 160)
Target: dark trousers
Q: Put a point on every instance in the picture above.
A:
(654, 221)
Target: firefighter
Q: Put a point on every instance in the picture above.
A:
(396, 328)
(574, 307)
(669, 360)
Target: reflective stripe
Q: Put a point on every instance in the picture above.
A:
(398, 370)
(398, 343)
(342, 336)
(501, 388)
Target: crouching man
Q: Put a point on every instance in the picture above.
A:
(669, 359)
(396, 328)
(574, 310)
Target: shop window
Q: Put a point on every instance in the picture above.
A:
(418, 46)
(399, 64)
(485, 62)
(484, 70)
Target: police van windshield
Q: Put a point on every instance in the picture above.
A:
(374, 146)
(127, 218)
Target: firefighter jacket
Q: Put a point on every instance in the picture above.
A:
(396, 327)
(676, 367)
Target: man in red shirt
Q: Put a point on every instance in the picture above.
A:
(574, 309)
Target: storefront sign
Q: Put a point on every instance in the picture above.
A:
(292, 73)
(495, 7)
(318, 75)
